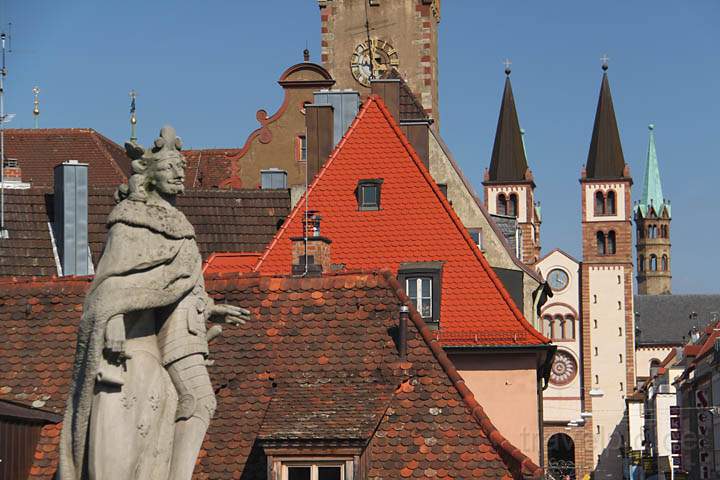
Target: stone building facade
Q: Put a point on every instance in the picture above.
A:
(364, 39)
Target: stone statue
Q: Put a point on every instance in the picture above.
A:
(141, 398)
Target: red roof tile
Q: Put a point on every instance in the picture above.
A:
(309, 337)
(242, 262)
(39, 150)
(415, 224)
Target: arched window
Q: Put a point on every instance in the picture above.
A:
(502, 205)
(641, 263)
(665, 263)
(513, 205)
(652, 231)
(560, 327)
(611, 242)
(599, 203)
(664, 231)
(547, 323)
(640, 232)
(600, 243)
(653, 263)
(610, 203)
(570, 327)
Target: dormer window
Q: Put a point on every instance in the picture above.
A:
(422, 284)
(313, 471)
(368, 194)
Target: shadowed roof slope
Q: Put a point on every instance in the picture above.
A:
(668, 319)
(318, 363)
(415, 223)
(605, 158)
(39, 150)
(508, 162)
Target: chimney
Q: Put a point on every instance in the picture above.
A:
(12, 173)
(389, 90)
(345, 103)
(319, 136)
(70, 226)
(402, 332)
(415, 126)
(311, 252)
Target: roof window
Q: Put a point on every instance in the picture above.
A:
(368, 193)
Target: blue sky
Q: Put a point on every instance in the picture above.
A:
(206, 67)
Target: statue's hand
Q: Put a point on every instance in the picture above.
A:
(115, 338)
(230, 313)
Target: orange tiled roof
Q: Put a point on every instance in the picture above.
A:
(416, 418)
(242, 262)
(415, 224)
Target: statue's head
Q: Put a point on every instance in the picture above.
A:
(160, 169)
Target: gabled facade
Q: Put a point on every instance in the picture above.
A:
(652, 221)
(607, 288)
(380, 208)
(509, 185)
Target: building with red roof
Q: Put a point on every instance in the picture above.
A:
(380, 208)
(320, 374)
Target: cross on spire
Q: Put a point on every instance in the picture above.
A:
(507, 64)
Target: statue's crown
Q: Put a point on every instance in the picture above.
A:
(167, 142)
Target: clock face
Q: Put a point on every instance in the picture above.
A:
(564, 369)
(383, 55)
(558, 279)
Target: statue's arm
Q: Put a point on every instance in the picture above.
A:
(115, 337)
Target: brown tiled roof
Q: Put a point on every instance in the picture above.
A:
(310, 339)
(212, 168)
(508, 162)
(224, 220)
(39, 150)
(605, 158)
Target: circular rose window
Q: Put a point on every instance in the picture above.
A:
(564, 369)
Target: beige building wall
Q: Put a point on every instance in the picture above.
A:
(492, 193)
(636, 425)
(644, 355)
(466, 205)
(562, 401)
(507, 388)
(618, 188)
(608, 350)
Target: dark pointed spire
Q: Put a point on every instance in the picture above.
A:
(508, 162)
(605, 159)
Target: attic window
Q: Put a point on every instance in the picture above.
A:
(368, 193)
(422, 283)
(313, 471)
(273, 178)
(476, 234)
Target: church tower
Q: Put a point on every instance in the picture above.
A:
(607, 288)
(652, 221)
(364, 39)
(509, 185)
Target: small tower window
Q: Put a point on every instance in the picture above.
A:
(620, 358)
(570, 327)
(513, 205)
(599, 203)
(502, 204)
(610, 203)
(622, 387)
(600, 236)
(664, 263)
(596, 351)
(611, 242)
(301, 154)
(594, 323)
(619, 331)
(653, 263)
(368, 194)
(640, 232)
(597, 379)
(595, 301)
(641, 263)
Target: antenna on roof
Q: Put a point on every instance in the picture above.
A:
(133, 118)
(4, 37)
(36, 106)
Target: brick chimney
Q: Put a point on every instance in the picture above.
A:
(12, 172)
(311, 252)
(415, 128)
(319, 136)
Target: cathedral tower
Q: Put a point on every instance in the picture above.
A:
(606, 296)
(509, 185)
(652, 221)
(364, 39)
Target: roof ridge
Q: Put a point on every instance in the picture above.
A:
(96, 139)
(496, 438)
(457, 222)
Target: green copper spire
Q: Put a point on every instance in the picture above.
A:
(652, 188)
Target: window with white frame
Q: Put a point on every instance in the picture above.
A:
(313, 470)
(419, 289)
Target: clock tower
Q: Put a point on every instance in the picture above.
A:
(364, 39)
